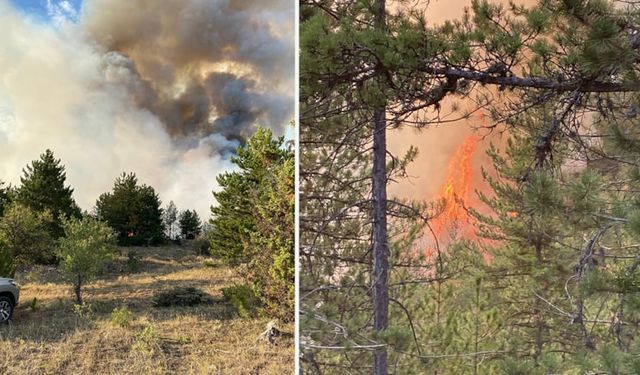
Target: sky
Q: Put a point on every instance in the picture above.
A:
(49, 10)
(166, 89)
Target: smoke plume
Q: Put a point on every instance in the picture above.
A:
(165, 89)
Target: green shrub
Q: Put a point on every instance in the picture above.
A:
(182, 296)
(84, 314)
(83, 310)
(210, 263)
(6, 261)
(243, 300)
(147, 340)
(133, 261)
(25, 238)
(149, 334)
(34, 306)
(121, 316)
(87, 247)
(201, 245)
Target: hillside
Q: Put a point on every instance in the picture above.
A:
(51, 336)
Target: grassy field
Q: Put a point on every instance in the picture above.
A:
(51, 336)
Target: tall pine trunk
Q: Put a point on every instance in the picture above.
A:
(380, 240)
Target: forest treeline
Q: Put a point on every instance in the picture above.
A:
(549, 283)
(40, 223)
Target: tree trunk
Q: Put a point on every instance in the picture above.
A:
(77, 290)
(380, 240)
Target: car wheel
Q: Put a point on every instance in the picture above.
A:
(6, 309)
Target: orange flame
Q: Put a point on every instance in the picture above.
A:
(455, 194)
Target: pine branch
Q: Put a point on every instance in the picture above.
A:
(582, 85)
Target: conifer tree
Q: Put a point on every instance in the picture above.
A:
(529, 265)
(42, 188)
(190, 226)
(253, 221)
(133, 211)
(270, 249)
(562, 261)
(232, 220)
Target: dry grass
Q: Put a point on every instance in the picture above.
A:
(55, 338)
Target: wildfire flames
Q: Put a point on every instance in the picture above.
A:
(455, 195)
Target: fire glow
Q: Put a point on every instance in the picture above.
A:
(455, 196)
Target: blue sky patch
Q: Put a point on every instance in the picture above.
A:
(55, 11)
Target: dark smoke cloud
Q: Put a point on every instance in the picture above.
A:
(167, 52)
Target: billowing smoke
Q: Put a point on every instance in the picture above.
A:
(166, 89)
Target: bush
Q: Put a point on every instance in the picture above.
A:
(25, 238)
(149, 334)
(210, 263)
(133, 261)
(243, 300)
(121, 316)
(147, 340)
(6, 262)
(34, 306)
(84, 314)
(182, 296)
(201, 245)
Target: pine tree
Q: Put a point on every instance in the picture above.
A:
(232, 219)
(43, 189)
(149, 220)
(270, 249)
(253, 221)
(190, 226)
(562, 263)
(528, 267)
(133, 211)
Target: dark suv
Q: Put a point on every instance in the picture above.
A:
(9, 295)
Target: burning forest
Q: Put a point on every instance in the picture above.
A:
(531, 262)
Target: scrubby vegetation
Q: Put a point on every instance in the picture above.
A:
(121, 316)
(243, 299)
(118, 329)
(24, 238)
